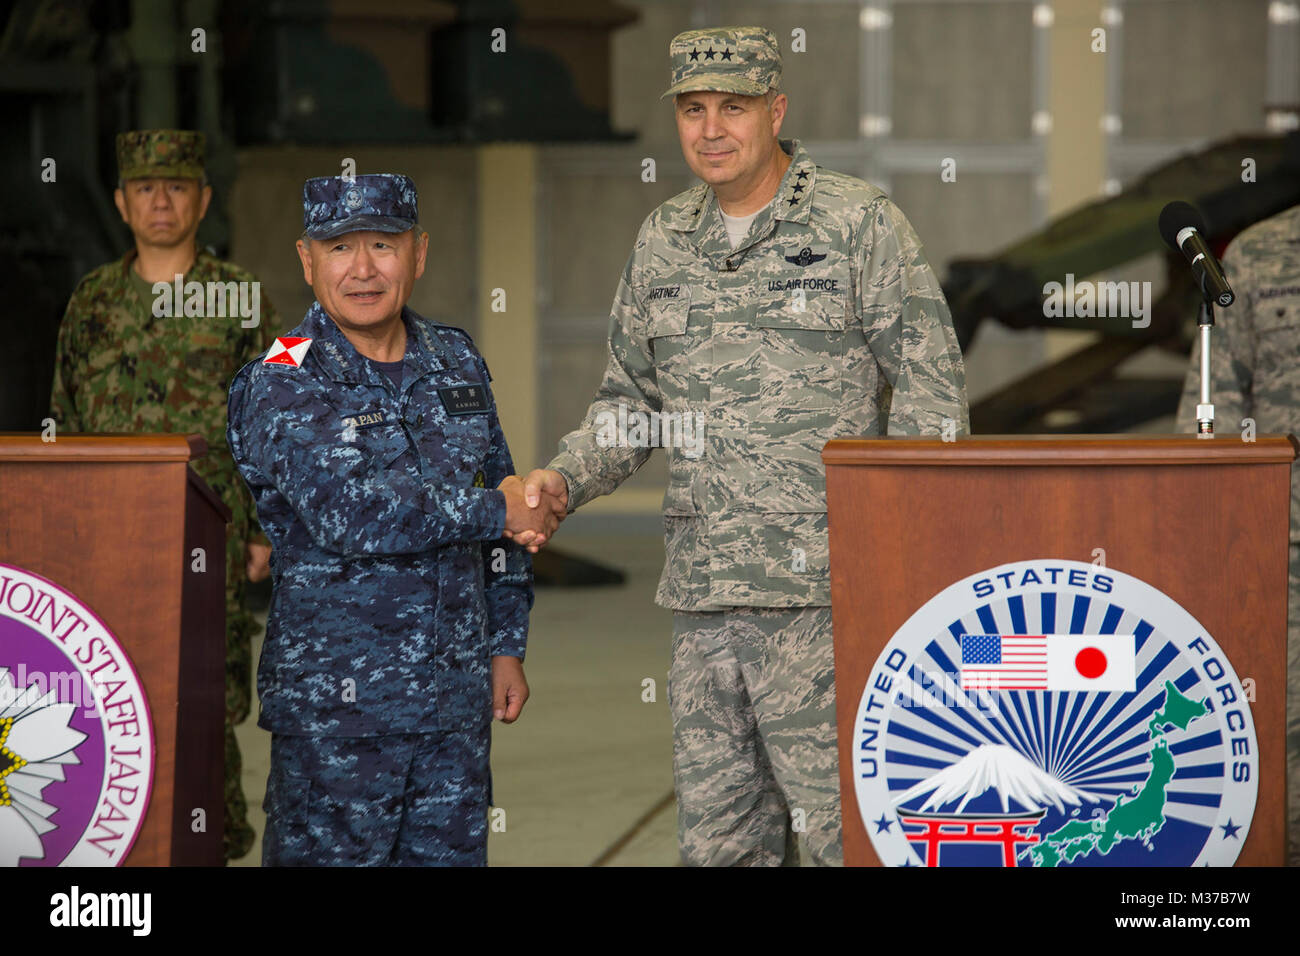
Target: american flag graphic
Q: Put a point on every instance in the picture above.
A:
(1004, 662)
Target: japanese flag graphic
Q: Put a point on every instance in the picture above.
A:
(1105, 662)
(287, 350)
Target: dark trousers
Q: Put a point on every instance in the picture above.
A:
(394, 800)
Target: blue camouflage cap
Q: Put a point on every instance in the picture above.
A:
(333, 205)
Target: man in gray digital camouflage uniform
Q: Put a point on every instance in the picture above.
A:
(786, 305)
(1255, 373)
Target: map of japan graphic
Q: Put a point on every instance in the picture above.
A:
(1139, 817)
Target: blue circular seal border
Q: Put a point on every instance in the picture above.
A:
(913, 721)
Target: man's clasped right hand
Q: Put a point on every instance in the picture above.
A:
(534, 507)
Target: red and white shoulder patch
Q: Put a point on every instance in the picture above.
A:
(288, 351)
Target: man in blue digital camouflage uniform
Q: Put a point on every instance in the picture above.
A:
(369, 439)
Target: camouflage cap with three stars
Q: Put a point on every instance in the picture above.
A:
(382, 202)
(745, 60)
(166, 153)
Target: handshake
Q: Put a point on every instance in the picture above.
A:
(535, 506)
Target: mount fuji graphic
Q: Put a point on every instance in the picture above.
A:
(1006, 772)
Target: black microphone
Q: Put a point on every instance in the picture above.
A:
(1183, 229)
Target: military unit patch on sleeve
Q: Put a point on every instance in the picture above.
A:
(287, 351)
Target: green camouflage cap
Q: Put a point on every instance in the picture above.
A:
(169, 153)
(744, 60)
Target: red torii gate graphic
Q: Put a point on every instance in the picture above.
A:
(966, 828)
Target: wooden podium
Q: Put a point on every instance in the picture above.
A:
(115, 521)
(1203, 521)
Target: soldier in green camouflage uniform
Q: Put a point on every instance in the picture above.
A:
(120, 368)
(819, 318)
(1255, 373)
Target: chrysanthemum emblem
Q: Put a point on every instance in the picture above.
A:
(76, 740)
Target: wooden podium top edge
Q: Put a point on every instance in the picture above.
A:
(28, 447)
(1224, 449)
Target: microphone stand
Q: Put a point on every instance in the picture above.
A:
(1205, 410)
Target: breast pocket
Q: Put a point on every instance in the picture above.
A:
(675, 347)
(454, 448)
(209, 364)
(384, 442)
(800, 366)
(670, 344)
(471, 438)
(209, 356)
